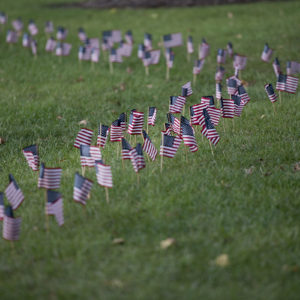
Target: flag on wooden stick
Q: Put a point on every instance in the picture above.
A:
(270, 92)
(55, 206)
(82, 188)
(13, 193)
(49, 178)
(148, 146)
(11, 225)
(32, 156)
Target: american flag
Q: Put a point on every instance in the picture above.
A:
(95, 52)
(239, 62)
(102, 135)
(176, 104)
(113, 36)
(141, 51)
(33, 28)
(61, 33)
(219, 73)
(215, 114)
(175, 123)
(198, 66)
(151, 57)
(116, 132)
(50, 45)
(188, 135)
(241, 91)
(11, 225)
(137, 158)
(148, 146)
(129, 37)
(168, 129)
(267, 53)
(33, 45)
(210, 132)
(13, 193)
(196, 112)
(84, 137)
(151, 116)
(221, 56)
(287, 83)
(276, 67)
(186, 89)
(172, 40)
(11, 37)
(125, 149)
(227, 107)
(218, 90)
(49, 28)
(203, 116)
(84, 53)
(189, 45)
(105, 45)
(63, 49)
(82, 188)
(232, 84)
(136, 122)
(270, 92)
(238, 105)
(148, 41)
(17, 25)
(32, 156)
(103, 173)
(1, 206)
(93, 43)
(88, 155)
(230, 49)
(114, 56)
(3, 18)
(170, 59)
(292, 67)
(49, 178)
(125, 49)
(169, 145)
(123, 121)
(203, 49)
(55, 206)
(81, 34)
(208, 101)
(26, 40)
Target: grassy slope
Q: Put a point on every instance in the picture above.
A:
(208, 205)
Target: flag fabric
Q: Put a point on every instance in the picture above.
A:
(198, 66)
(270, 92)
(50, 45)
(2, 207)
(141, 51)
(32, 156)
(208, 101)
(88, 155)
(102, 135)
(276, 67)
(292, 67)
(227, 107)
(267, 53)
(169, 145)
(172, 40)
(125, 49)
(196, 112)
(105, 45)
(186, 89)
(287, 83)
(230, 49)
(148, 146)
(11, 225)
(49, 27)
(13, 193)
(81, 34)
(238, 105)
(33, 45)
(148, 41)
(152, 116)
(3, 18)
(188, 135)
(151, 57)
(49, 178)
(116, 132)
(84, 137)
(82, 188)
(239, 62)
(33, 28)
(170, 59)
(126, 148)
(221, 56)
(175, 123)
(218, 90)
(95, 53)
(84, 53)
(203, 116)
(136, 122)
(203, 49)
(219, 73)
(137, 158)
(176, 104)
(26, 40)
(129, 37)
(55, 206)
(61, 33)
(11, 37)
(232, 85)
(17, 25)
(168, 129)
(210, 132)
(63, 49)
(103, 173)
(189, 45)
(112, 36)
(215, 114)
(114, 56)
(241, 91)
(123, 121)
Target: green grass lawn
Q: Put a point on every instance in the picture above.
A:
(208, 204)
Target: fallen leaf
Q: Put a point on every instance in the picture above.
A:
(222, 260)
(167, 243)
(113, 11)
(118, 241)
(250, 170)
(268, 174)
(80, 79)
(59, 117)
(83, 122)
(2, 141)
(35, 228)
(154, 16)
(230, 15)
(129, 70)
(149, 86)
(262, 116)
(122, 87)
(245, 83)
(287, 268)
(239, 36)
(297, 166)
(115, 283)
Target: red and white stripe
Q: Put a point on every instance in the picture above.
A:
(1, 212)
(188, 86)
(245, 98)
(125, 154)
(56, 209)
(238, 109)
(138, 161)
(291, 84)
(149, 148)
(136, 126)
(215, 114)
(80, 194)
(116, 133)
(170, 151)
(89, 161)
(32, 160)
(205, 101)
(178, 105)
(84, 137)
(104, 176)
(176, 126)
(218, 92)
(11, 228)
(151, 120)
(190, 141)
(211, 134)
(14, 196)
(228, 108)
(272, 97)
(198, 111)
(51, 179)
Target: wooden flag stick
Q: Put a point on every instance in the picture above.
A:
(161, 163)
(168, 73)
(224, 125)
(188, 56)
(147, 127)
(82, 171)
(117, 150)
(100, 135)
(111, 67)
(46, 215)
(211, 148)
(147, 70)
(138, 178)
(106, 194)
(233, 124)
(280, 98)
(273, 104)
(194, 78)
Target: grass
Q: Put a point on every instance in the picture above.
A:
(209, 205)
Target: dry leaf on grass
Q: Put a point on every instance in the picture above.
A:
(149, 86)
(167, 243)
(222, 260)
(83, 122)
(115, 283)
(2, 140)
(239, 36)
(262, 116)
(118, 241)
(154, 16)
(250, 170)
(80, 79)
(297, 166)
(122, 87)
(230, 15)
(59, 117)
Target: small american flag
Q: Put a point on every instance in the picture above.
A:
(49, 178)
(102, 135)
(241, 91)
(1, 206)
(137, 158)
(151, 116)
(287, 83)
(215, 114)
(148, 146)
(50, 45)
(196, 112)
(61, 33)
(49, 28)
(88, 155)
(231, 86)
(203, 116)
(141, 51)
(189, 45)
(26, 40)
(81, 34)
(33, 45)
(198, 66)
(219, 73)
(169, 145)
(270, 92)
(103, 173)
(238, 105)
(170, 59)
(13, 193)
(84, 137)
(151, 57)
(203, 49)
(126, 148)
(208, 101)
(292, 67)
(175, 123)
(3, 18)
(129, 37)
(136, 122)
(239, 62)
(11, 225)
(218, 90)
(230, 49)
(210, 132)
(276, 67)
(63, 49)
(113, 36)
(105, 44)
(168, 129)
(125, 49)
(84, 53)
(55, 206)
(176, 104)
(17, 25)
(227, 107)
(123, 121)
(172, 40)
(116, 132)
(188, 135)
(114, 56)
(221, 56)
(11, 37)
(148, 41)
(186, 89)
(33, 28)
(32, 156)
(82, 188)
(267, 53)
(95, 53)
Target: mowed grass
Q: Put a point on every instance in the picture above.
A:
(208, 204)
